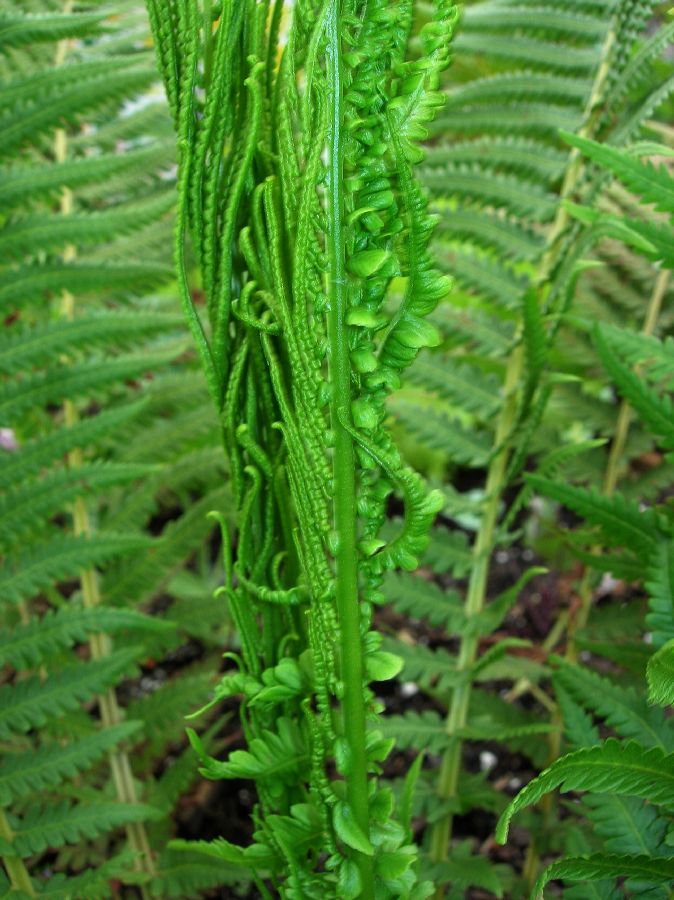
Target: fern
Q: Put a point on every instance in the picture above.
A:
(61, 720)
(298, 260)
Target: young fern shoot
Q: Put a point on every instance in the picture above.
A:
(297, 144)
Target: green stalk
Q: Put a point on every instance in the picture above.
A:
(18, 873)
(344, 471)
(458, 711)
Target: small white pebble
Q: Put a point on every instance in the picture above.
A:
(487, 760)
(515, 784)
(527, 555)
(648, 638)
(409, 689)
(502, 556)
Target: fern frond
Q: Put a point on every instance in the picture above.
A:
(23, 235)
(182, 874)
(507, 238)
(423, 599)
(19, 29)
(621, 707)
(37, 641)
(29, 283)
(38, 453)
(622, 522)
(541, 162)
(141, 578)
(55, 824)
(424, 731)
(430, 669)
(601, 866)
(69, 104)
(80, 379)
(61, 557)
(463, 386)
(24, 509)
(40, 344)
(32, 702)
(21, 185)
(615, 767)
(437, 431)
(653, 184)
(22, 774)
(628, 826)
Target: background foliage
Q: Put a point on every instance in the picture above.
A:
(534, 642)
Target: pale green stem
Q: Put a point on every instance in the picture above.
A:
(99, 644)
(18, 873)
(344, 473)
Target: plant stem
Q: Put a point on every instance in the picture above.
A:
(458, 711)
(18, 873)
(344, 473)
(99, 644)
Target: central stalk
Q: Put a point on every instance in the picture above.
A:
(344, 472)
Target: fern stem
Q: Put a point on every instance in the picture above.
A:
(99, 644)
(18, 873)
(344, 477)
(458, 711)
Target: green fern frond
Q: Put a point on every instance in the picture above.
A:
(643, 869)
(622, 522)
(615, 767)
(435, 430)
(34, 643)
(29, 283)
(19, 29)
(69, 104)
(36, 454)
(182, 875)
(628, 826)
(61, 557)
(546, 55)
(423, 599)
(424, 731)
(464, 386)
(507, 238)
(24, 509)
(22, 185)
(540, 162)
(431, 669)
(80, 379)
(523, 197)
(22, 774)
(32, 702)
(21, 348)
(620, 706)
(56, 824)
(653, 184)
(141, 578)
(23, 235)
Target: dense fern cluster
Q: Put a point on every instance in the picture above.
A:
(431, 308)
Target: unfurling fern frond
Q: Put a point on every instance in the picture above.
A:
(311, 233)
